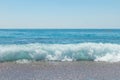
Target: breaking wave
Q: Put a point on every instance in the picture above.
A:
(61, 52)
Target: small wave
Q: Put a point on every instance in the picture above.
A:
(61, 52)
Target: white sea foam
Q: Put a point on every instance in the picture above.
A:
(61, 52)
(22, 61)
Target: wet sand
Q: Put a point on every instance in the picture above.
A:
(82, 70)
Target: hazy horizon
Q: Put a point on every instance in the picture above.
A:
(59, 14)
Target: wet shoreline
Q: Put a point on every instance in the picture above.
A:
(78, 70)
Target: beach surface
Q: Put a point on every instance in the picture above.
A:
(81, 70)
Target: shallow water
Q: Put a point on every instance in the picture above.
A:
(60, 45)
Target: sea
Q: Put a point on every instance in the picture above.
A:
(59, 45)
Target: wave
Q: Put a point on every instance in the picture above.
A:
(61, 52)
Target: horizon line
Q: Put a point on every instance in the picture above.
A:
(59, 28)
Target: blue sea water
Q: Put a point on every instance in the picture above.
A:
(60, 44)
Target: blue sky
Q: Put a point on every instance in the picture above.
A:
(59, 13)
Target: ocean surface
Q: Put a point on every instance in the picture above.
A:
(22, 45)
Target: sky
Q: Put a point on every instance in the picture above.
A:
(59, 13)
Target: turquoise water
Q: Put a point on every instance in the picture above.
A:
(60, 44)
(59, 36)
